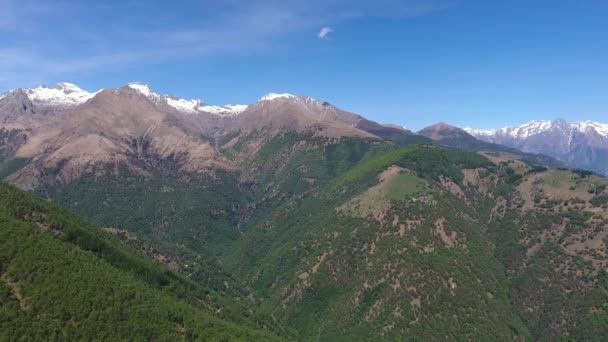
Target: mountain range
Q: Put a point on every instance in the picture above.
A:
(65, 127)
(581, 144)
(286, 219)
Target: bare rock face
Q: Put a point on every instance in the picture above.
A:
(24, 112)
(115, 126)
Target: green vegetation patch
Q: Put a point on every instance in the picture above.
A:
(405, 184)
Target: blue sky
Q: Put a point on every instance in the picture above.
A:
(411, 62)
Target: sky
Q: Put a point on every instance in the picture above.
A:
(471, 63)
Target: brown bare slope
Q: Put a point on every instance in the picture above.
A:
(116, 126)
(298, 114)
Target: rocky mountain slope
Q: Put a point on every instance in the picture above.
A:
(422, 241)
(579, 144)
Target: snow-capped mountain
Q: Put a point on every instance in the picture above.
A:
(66, 95)
(582, 144)
(29, 107)
(276, 112)
(274, 96)
(536, 127)
(61, 94)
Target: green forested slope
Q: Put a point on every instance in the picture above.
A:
(62, 278)
(336, 275)
(358, 239)
(453, 246)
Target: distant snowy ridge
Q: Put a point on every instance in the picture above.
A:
(186, 106)
(581, 144)
(66, 94)
(536, 127)
(599, 128)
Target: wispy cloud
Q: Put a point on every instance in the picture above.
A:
(324, 32)
(42, 39)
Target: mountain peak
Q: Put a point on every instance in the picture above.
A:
(443, 125)
(141, 88)
(442, 130)
(62, 94)
(274, 96)
(440, 127)
(68, 86)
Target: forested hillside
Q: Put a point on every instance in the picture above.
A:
(426, 242)
(64, 279)
(360, 239)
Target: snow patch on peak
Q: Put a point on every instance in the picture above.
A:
(68, 86)
(274, 96)
(586, 126)
(529, 129)
(195, 106)
(539, 126)
(236, 108)
(227, 110)
(141, 88)
(181, 105)
(62, 94)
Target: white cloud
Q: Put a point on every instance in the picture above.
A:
(325, 31)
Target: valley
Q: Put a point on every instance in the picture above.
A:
(287, 219)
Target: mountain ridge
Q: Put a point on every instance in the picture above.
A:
(581, 144)
(133, 125)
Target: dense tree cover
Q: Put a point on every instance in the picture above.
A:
(337, 277)
(63, 279)
(200, 212)
(355, 296)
